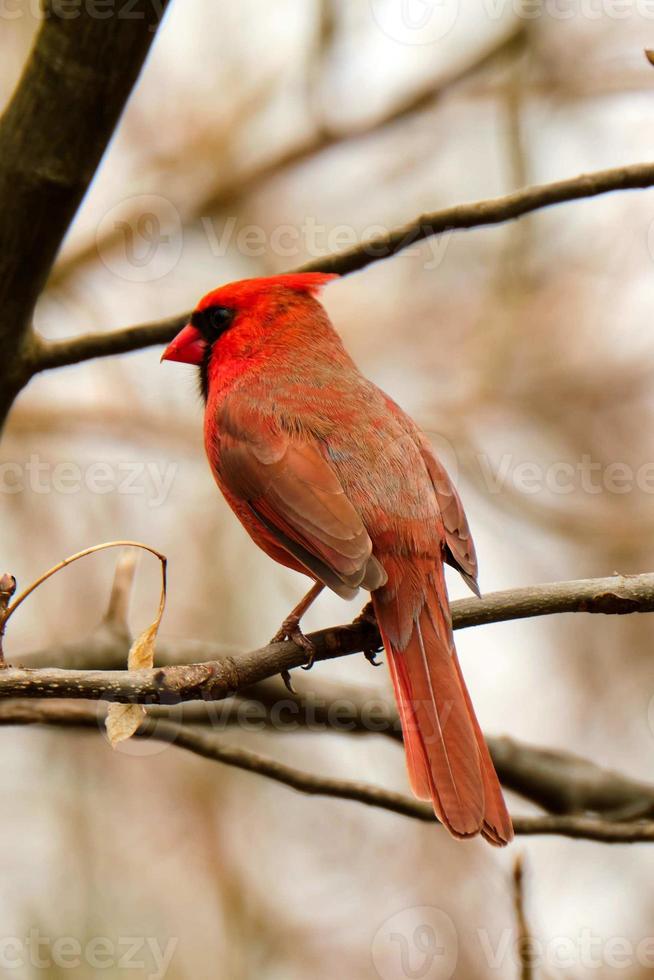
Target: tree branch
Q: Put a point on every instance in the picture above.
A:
(474, 215)
(209, 747)
(52, 137)
(220, 678)
(559, 782)
(59, 353)
(481, 213)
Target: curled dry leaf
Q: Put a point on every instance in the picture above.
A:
(123, 720)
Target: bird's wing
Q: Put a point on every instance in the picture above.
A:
(293, 491)
(460, 548)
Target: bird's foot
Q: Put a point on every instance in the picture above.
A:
(288, 683)
(372, 646)
(290, 630)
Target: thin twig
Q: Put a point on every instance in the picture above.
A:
(524, 943)
(121, 592)
(59, 353)
(94, 549)
(474, 215)
(7, 589)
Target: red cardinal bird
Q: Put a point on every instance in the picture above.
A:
(331, 478)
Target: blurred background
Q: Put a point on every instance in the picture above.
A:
(259, 137)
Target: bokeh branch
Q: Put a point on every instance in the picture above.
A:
(558, 781)
(232, 190)
(524, 943)
(210, 747)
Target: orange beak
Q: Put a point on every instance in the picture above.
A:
(188, 347)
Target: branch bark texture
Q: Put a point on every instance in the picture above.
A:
(52, 136)
(220, 678)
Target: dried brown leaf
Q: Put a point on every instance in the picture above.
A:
(141, 653)
(122, 721)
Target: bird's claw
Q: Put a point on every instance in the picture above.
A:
(367, 618)
(290, 630)
(288, 683)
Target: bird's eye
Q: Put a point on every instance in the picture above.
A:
(220, 317)
(213, 322)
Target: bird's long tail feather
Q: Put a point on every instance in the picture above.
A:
(447, 757)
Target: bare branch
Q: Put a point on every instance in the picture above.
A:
(460, 216)
(557, 781)
(121, 592)
(211, 680)
(209, 747)
(59, 353)
(491, 212)
(614, 595)
(217, 679)
(561, 782)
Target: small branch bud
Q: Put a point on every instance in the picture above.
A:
(7, 589)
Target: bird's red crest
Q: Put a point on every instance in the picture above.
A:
(243, 290)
